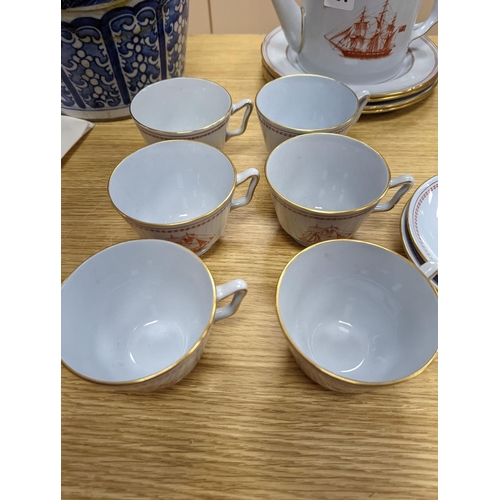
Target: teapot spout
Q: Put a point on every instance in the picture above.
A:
(291, 19)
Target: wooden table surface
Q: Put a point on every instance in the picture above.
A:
(246, 423)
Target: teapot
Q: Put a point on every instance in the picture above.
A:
(354, 41)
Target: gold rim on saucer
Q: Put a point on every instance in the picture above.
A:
(383, 106)
(399, 104)
(419, 252)
(400, 95)
(404, 241)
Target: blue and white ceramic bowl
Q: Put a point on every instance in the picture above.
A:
(111, 49)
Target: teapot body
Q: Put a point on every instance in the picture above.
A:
(357, 41)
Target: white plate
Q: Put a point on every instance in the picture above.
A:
(410, 250)
(395, 104)
(422, 219)
(420, 66)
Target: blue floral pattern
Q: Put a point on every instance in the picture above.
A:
(106, 61)
(71, 4)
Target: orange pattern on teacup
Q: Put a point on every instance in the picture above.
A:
(315, 234)
(192, 241)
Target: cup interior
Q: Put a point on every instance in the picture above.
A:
(306, 102)
(359, 311)
(171, 182)
(327, 172)
(180, 105)
(134, 309)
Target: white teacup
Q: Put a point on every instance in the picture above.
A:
(357, 316)
(187, 108)
(301, 104)
(324, 186)
(179, 191)
(137, 315)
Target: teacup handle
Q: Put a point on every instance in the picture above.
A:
(430, 269)
(237, 287)
(245, 103)
(406, 182)
(254, 175)
(422, 28)
(363, 98)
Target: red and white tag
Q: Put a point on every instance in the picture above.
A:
(340, 4)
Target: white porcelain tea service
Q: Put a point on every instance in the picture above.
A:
(137, 315)
(419, 224)
(354, 41)
(187, 108)
(324, 186)
(301, 104)
(179, 191)
(356, 315)
(422, 219)
(414, 81)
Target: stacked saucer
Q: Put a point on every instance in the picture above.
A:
(416, 80)
(419, 225)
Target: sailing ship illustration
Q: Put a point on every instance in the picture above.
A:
(315, 234)
(371, 36)
(192, 241)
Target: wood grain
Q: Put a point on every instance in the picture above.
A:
(246, 423)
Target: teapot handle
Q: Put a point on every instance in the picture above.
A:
(422, 28)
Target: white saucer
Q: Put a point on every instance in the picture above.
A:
(422, 219)
(402, 102)
(410, 250)
(419, 68)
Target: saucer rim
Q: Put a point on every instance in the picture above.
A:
(374, 97)
(424, 252)
(385, 107)
(405, 239)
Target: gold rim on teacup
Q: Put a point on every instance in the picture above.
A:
(176, 363)
(162, 134)
(329, 212)
(331, 375)
(205, 128)
(143, 223)
(305, 130)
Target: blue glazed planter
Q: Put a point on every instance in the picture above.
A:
(111, 49)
